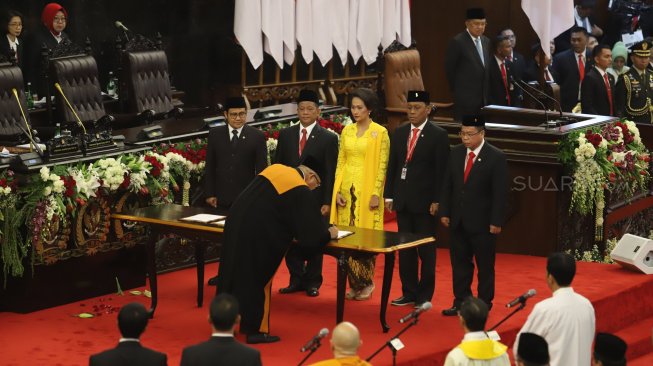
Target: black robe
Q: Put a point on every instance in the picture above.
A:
(276, 208)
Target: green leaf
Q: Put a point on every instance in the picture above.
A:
(147, 293)
(85, 315)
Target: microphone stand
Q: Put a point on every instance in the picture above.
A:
(522, 304)
(546, 113)
(313, 348)
(389, 342)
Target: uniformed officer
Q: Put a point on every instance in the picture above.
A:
(634, 89)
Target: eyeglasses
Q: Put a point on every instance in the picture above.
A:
(468, 134)
(15, 24)
(59, 20)
(238, 115)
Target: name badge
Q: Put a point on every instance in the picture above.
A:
(404, 171)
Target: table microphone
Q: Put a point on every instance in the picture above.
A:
(424, 307)
(29, 129)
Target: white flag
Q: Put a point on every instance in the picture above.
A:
(549, 18)
(341, 28)
(272, 27)
(353, 45)
(405, 35)
(247, 28)
(304, 28)
(323, 13)
(369, 28)
(289, 43)
(391, 13)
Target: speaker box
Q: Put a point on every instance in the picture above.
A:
(634, 253)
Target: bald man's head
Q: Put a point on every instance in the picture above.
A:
(345, 339)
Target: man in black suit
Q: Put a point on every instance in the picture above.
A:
(532, 72)
(583, 18)
(418, 156)
(502, 89)
(295, 144)
(597, 90)
(466, 63)
(571, 66)
(473, 206)
(222, 349)
(235, 154)
(132, 320)
(518, 61)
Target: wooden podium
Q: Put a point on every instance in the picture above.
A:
(538, 218)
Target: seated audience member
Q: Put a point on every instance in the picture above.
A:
(132, 320)
(476, 348)
(345, 342)
(533, 351)
(609, 350)
(222, 349)
(12, 44)
(566, 320)
(533, 70)
(619, 57)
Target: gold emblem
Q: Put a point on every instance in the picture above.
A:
(644, 46)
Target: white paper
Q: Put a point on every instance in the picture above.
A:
(27, 146)
(343, 233)
(203, 218)
(219, 223)
(630, 39)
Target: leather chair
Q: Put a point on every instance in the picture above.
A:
(11, 119)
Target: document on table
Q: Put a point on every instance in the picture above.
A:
(344, 233)
(203, 218)
(219, 223)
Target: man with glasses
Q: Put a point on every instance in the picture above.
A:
(473, 206)
(418, 157)
(305, 140)
(235, 154)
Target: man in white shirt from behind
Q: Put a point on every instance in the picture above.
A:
(477, 348)
(566, 320)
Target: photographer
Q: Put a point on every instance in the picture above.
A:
(630, 21)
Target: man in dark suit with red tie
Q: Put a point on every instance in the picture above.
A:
(571, 66)
(502, 89)
(222, 349)
(597, 90)
(466, 65)
(419, 151)
(305, 140)
(235, 154)
(473, 206)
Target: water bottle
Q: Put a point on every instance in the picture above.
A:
(57, 130)
(111, 86)
(28, 96)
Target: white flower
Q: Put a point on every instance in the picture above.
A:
(58, 186)
(45, 173)
(47, 190)
(618, 157)
(7, 190)
(603, 144)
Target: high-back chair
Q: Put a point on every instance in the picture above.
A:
(11, 120)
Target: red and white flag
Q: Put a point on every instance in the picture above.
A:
(341, 28)
(272, 26)
(304, 28)
(323, 14)
(369, 28)
(289, 42)
(247, 28)
(549, 18)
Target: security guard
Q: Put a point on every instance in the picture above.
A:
(634, 89)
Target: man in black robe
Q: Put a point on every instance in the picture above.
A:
(274, 209)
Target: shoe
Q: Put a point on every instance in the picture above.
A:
(452, 311)
(312, 292)
(365, 293)
(290, 289)
(213, 281)
(402, 301)
(352, 294)
(261, 338)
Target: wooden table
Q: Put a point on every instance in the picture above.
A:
(165, 219)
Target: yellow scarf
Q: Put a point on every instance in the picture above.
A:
(484, 349)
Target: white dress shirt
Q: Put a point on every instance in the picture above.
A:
(566, 320)
(231, 129)
(309, 129)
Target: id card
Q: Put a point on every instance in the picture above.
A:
(404, 171)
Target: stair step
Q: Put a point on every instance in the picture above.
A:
(638, 338)
(646, 360)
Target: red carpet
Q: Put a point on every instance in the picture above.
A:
(622, 300)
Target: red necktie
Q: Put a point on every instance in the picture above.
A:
(411, 144)
(635, 23)
(607, 86)
(581, 67)
(302, 141)
(504, 75)
(468, 168)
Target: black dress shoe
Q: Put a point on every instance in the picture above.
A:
(213, 281)
(312, 292)
(452, 311)
(402, 301)
(261, 338)
(290, 289)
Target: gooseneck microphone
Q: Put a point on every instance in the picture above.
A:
(522, 299)
(79, 121)
(315, 340)
(121, 26)
(546, 112)
(540, 92)
(425, 307)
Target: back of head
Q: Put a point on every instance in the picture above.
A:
(224, 312)
(474, 312)
(345, 339)
(132, 320)
(610, 350)
(532, 350)
(562, 266)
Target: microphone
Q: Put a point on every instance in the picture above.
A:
(547, 96)
(425, 307)
(522, 299)
(120, 26)
(79, 121)
(315, 340)
(546, 113)
(27, 132)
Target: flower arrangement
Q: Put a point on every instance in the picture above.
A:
(595, 254)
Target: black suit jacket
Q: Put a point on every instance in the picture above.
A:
(220, 351)
(497, 91)
(425, 171)
(519, 65)
(563, 40)
(129, 354)
(481, 201)
(321, 145)
(467, 76)
(594, 95)
(5, 50)
(566, 66)
(229, 171)
(532, 73)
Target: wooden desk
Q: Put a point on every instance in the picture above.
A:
(164, 219)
